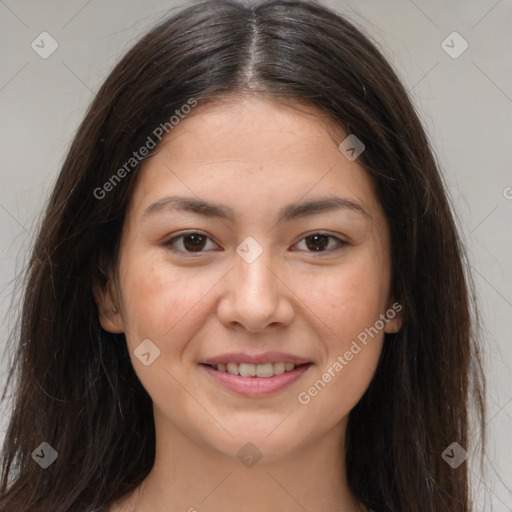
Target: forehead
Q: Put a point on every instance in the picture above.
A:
(252, 150)
(240, 125)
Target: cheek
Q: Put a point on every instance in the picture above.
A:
(159, 300)
(167, 306)
(351, 357)
(351, 297)
(337, 390)
(350, 303)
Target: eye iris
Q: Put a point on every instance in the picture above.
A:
(319, 242)
(194, 242)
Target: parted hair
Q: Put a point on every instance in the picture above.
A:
(72, 382)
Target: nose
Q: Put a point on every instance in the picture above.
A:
(255, 296)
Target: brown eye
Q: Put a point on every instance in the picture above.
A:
(194, 242)
(320, 242)
(189, 243)
(317, 242)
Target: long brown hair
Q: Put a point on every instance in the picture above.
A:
(74, 386)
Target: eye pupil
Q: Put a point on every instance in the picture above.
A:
(197, 242)
(319, 242)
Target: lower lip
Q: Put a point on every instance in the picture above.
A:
(256, 386)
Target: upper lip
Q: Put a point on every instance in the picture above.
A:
(264, 357)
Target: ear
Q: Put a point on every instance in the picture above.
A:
(109, 312)
(395, 315)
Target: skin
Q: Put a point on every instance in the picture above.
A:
(253, 155)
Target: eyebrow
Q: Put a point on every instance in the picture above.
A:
(287, 213)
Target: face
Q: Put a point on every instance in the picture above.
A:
(252, 240)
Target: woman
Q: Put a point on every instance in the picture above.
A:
(248, 290)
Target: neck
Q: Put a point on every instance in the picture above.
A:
(191, 476)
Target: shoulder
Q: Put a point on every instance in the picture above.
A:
(124, 504)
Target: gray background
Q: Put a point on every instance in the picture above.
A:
(465, 103)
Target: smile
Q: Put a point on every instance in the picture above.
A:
(255, 380)
(265, 371)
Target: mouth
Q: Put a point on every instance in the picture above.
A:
(256, 376)
(264, 371)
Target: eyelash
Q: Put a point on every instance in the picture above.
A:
(170, 242)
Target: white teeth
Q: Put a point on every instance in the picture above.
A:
(233, 368)
(278, 368)
(247, 370)
(255, 370)
(264, 370)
